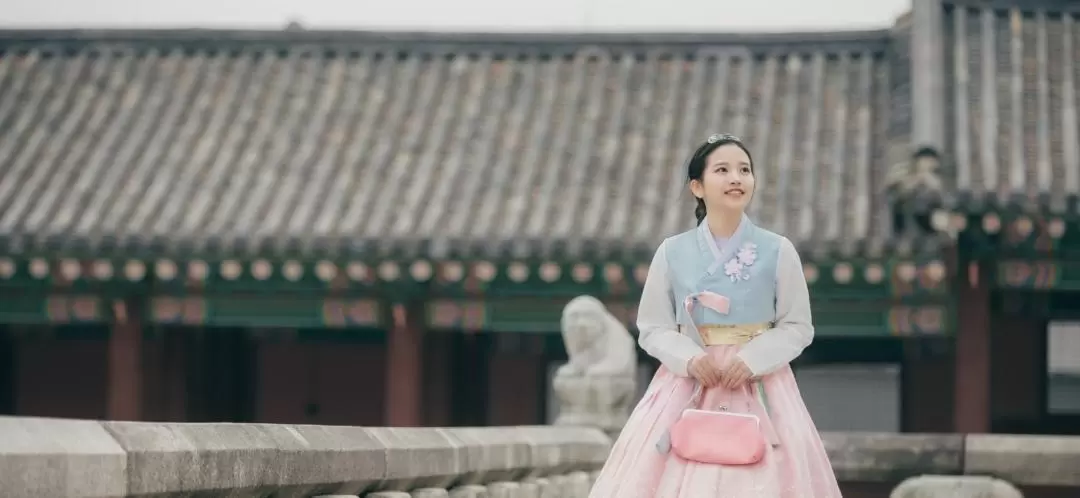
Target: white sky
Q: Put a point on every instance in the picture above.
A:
(460, 15)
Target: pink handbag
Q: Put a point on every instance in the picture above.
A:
(718, 437)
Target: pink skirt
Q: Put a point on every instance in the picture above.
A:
(797, 467)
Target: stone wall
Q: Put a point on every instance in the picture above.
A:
(74, 458)
(956, 465)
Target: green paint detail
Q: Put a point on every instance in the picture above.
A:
(856, 287)
(836, 318)
(1005, 243)
(535, 286)
(265, 311)
(1040, 274)
(23, 308)
(117, 284)
(525, 315)
(849, 319)
(43, 308)
(832, 318)
(1068, 275)
(269, 310)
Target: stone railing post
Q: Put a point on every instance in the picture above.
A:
(596, 387)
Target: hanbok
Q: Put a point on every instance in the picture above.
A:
(767, 324)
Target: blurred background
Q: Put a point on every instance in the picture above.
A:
(362, 213)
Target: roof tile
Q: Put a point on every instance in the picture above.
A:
(283, 148)
(1015, 79)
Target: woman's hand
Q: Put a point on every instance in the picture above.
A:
(736, 374)
(704, 368)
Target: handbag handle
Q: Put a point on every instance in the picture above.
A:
(697, 397)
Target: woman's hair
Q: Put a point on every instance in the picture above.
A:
(695, 168)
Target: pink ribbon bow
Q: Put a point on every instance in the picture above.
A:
(716, 302)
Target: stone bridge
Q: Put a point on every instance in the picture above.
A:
(46, 458)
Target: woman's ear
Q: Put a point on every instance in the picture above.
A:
(697, 189)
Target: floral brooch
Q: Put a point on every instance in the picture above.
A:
(736, 267)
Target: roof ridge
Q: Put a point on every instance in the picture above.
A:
(493, 41)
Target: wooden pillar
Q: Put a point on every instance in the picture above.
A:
(971, 400)
(439, 380)
(159, 383)
(174, 374)
(165, 389)
(222, 386)
(470, 386)
(124, 393)
(516, 381)
(1018, 372)
(197, 404)
(404, 363)
(927, 387)
(8, 380)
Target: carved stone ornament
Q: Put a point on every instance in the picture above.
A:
(596, 387)
(930, 486)
(922, 173)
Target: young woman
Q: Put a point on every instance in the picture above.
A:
(724, 309)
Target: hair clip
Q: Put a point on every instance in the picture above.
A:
(722, 136)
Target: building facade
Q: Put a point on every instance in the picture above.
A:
(382, 229)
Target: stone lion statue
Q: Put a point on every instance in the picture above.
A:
(596, 342)
(596, 387)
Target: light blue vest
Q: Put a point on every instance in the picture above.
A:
(696, 264)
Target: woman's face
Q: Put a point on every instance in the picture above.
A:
(727, 184)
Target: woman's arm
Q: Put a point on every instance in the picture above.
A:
(658, 334)
(792, 328)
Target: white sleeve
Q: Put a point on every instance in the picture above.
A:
(658, 333)
(792, 329)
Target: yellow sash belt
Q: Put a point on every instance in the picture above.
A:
(725, 335)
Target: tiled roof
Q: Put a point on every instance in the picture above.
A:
(1013, 101)
(278, 143)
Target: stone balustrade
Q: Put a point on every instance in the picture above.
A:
(1020, 460)
(77, 458)
(956, 465)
